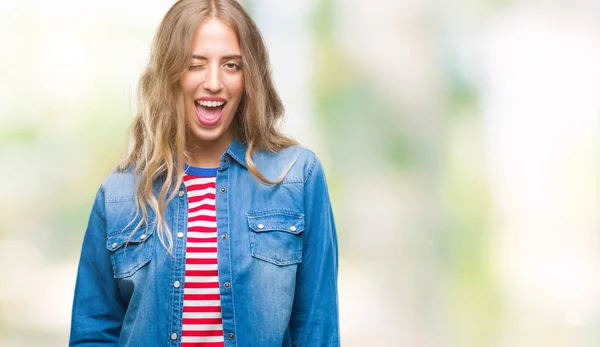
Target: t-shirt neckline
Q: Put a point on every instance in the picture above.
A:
(200, 171)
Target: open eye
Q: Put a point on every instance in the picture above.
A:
(232, 66)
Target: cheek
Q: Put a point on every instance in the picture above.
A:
(237, 86)
(186, 83)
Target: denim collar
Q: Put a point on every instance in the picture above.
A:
(237, 150)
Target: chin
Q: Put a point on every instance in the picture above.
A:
(207, 135)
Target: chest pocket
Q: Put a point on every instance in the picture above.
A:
(276, 236)
(129, 252)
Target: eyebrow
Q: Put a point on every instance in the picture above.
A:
(227, 57)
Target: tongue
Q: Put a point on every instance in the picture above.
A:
(208, 114)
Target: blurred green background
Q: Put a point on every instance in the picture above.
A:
(460, 141)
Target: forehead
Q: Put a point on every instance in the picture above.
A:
(215, 37)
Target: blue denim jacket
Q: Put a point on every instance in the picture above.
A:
(278, 284)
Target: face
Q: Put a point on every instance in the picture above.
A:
(213, 83)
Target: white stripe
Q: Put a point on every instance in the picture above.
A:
(201, 291)
(202, 339)
(202, 327)
(203, 303)
(204, 255)
(202, 223)
(204, 279)
(201, 202)
(201, 266)
(209, 213)
(201, 244)
(202, 315)
(200, 192)
(200, 180)
(202, 235)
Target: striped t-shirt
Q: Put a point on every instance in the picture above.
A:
(202, 324)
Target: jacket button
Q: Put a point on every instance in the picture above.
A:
(177, 284)
(260, 226)
(114, 245)
(230, 336)
(223, 189)
(180, 234)
(181, 193)
(227, 285)
(224, 236)
(143, 237)
(293, 228)
(173, 336)
(225, 159)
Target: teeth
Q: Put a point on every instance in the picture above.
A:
(210, 103)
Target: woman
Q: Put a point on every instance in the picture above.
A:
(217, 230)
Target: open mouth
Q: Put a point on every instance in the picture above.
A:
(209, 112)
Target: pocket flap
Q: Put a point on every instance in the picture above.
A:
(278, 220)
(120, 238)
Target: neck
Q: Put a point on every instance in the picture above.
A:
(207, 154)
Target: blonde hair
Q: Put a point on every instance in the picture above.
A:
(158, 130)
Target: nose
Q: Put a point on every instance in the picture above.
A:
(213, 81)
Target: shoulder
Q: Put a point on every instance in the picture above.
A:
(301, 160)
(119, 185)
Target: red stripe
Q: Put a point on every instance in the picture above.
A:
(202, 321)
(207, 207)
(203, 218)
(201, 186)
(197, 285)
(202, 249)
(201, 308)
(202, 333)
(199, 229)
(201, 272)
(187, 177)
(201, 297)
(201, 197)
(200, 261)
(199, 239)
(203, 344)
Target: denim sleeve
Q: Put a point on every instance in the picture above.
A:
(314, 320)
(98, 309)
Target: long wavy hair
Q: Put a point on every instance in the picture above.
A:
(158, 132)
